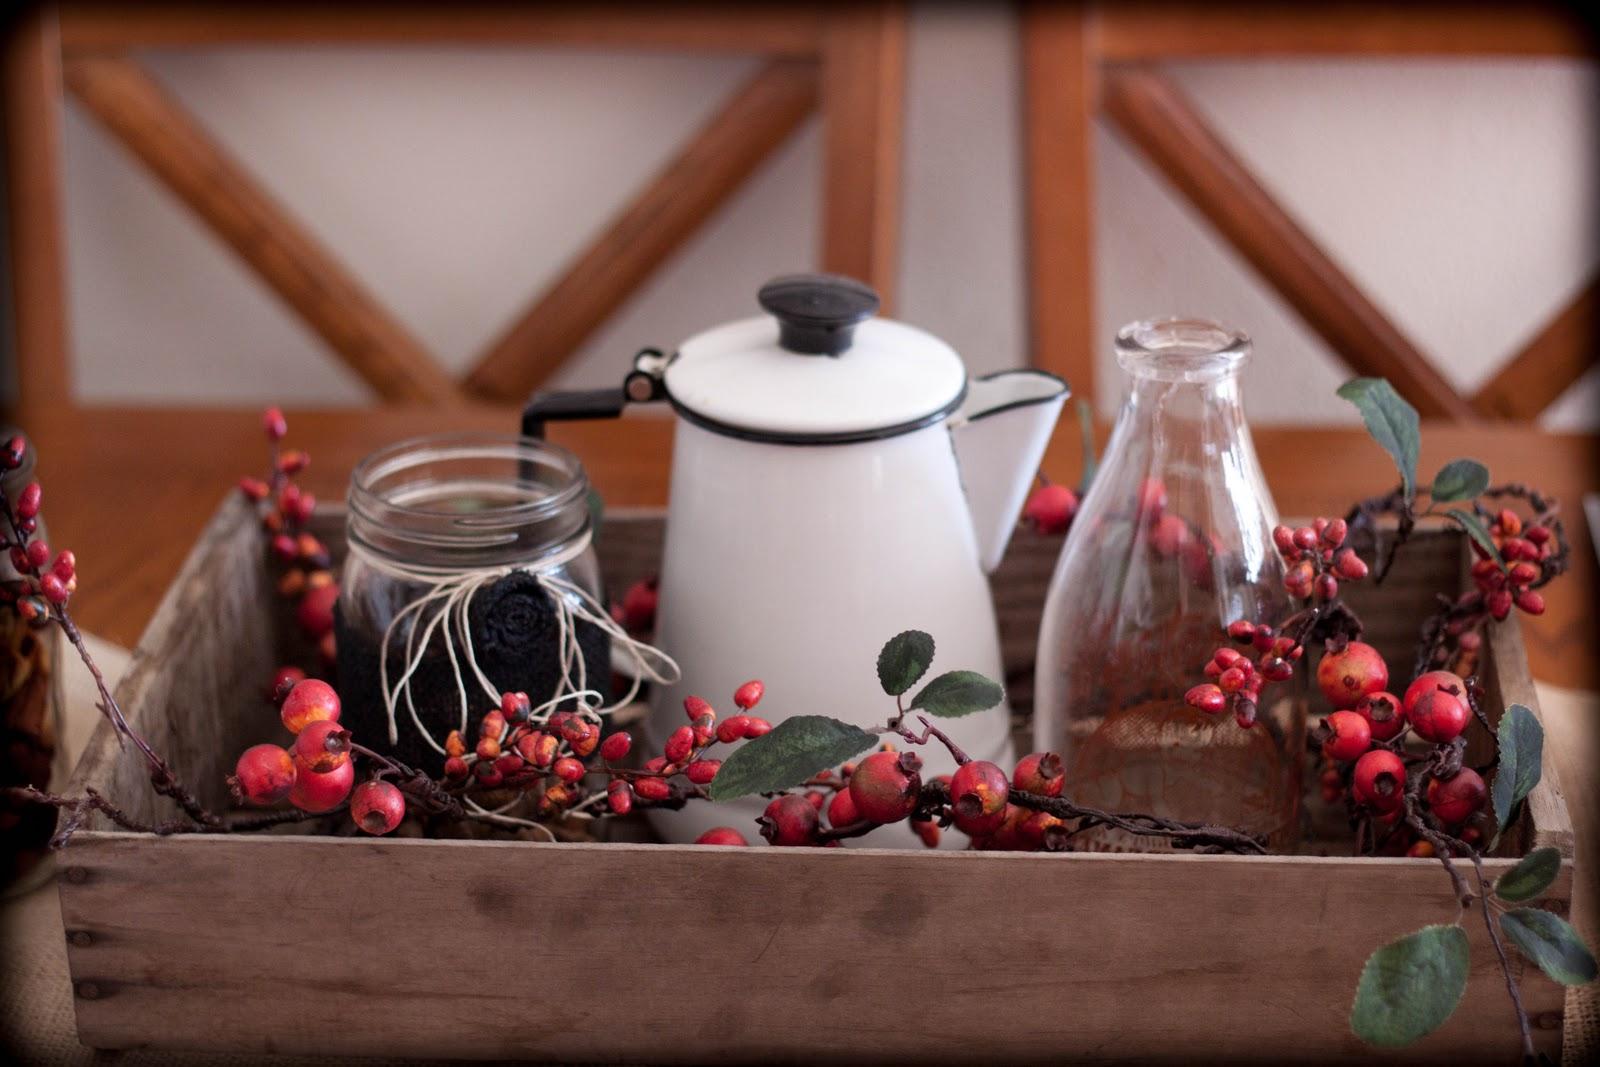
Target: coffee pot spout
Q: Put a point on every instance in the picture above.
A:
(1000, 433)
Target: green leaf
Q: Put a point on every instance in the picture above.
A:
(1391, 421)
(1460, 479)
(904, 660)
(957, 693)
(1521, 760)
(796, 749)
(1530, 877)
(1086, 428)
(1475, 530)
(1550, 942)
(1410, 986)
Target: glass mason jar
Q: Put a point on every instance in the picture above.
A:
(31, 713)
(485, 516)
(1172, 543)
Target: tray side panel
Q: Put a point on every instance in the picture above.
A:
(320, 945)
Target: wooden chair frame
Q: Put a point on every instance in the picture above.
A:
(1102, 59)
(846, 60)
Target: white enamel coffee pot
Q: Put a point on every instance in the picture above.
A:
(836, 479)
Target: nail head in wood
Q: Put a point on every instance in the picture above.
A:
(89, 990)
(81, 938)
(77, 875)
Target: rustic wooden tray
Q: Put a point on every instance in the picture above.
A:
(630, 952)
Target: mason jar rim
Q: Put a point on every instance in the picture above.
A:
(563, 491)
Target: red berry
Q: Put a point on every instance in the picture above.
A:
(842, 810)
(377, 807)
(1168, 535)
(1276, 669)
(1242, 630)
(694, 707)
(1383, 715)
(1379, 780)
(28, 500)
(1040, 773)
(1447, 681)
(488, 748)
(1456, 799)
(38, 554)
(55, 590)
(1347, 675)
(749, 695)
(1499, 604)
(66, 565)
(493, 725)
(311, 700)
(757, 727)
(1152, 499)
(274, 424)
(515, 706)
(1349, 735)
(1297, 582)
(680, 744)
(928, 830)
(544, 749)
(15, 449)
(1326, 587)
(979, 791)
(1283, 538)
(1523, 573)
(317, 793)
(1348, 565)
(293, 462)
(1305, 538)
(1050, 509)
(321, 747)
(619, 797)
(789, 820)
(639, 605)
(1528, 600)
(568, 769)
(1334, 533)
(581, 735)
(1227, 657)
(616, 747)
(701, 771)
(705, 729)
(488, 774)
(722, 835)
(1537, 534)
(315, 613)
(1420, 850)
(1439, 716)
(652, 788)
(885, 786)
(455, 768)
(732, 728)
(1208, 698)
(265, 774)
(1232, 680)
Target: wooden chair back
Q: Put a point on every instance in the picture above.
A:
(1083, 61)
(846, 60)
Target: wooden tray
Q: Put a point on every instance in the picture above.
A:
(496, 949)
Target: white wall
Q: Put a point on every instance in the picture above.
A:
(457, 182)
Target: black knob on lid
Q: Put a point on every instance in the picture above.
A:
(818, 313)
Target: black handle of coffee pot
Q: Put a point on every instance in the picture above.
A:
(641, 386)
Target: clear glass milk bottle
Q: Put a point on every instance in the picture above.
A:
(1172, 543)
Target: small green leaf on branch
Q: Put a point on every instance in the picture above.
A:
(1551, 943)
(1521, 761)
(1460, 479)
(958, 693)
(1532, 876)
(1410, 986)
(1391, 421)
(904, 659)
(1476, 530)
(796, 749)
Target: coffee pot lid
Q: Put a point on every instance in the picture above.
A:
(818, 368)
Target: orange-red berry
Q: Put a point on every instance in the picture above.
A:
(1439, 716)
(265, 774)
(979, 791)
(310, 700)
(885, 786)
(616, 747)
(701, 771)
(377, 807)
(789, 820)
(1349, 735)
(1379, 780)
(749, 694)
(1041, 773)
(1348, 674)
(321, 747)
(317, 793)
(1383, 715)
(1454, 800)
(722, 835)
